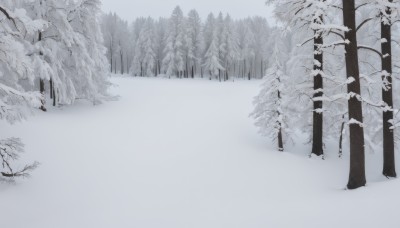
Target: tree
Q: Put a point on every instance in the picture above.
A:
(270, 111)
(231, 42)
(212, 63)
(193, 41)
(311, 14)
(357, 154)
(15, 104)
(386, 15)
(173, 62)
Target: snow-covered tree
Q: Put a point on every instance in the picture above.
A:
(15, 65)
(270, 111)
(144, 61)
(174, 63)
(212, 62)
(193, 41)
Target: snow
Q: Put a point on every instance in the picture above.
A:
(182, 154)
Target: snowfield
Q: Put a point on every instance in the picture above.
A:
(182, 154)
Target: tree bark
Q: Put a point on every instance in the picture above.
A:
(389, 168)
(42, 91)
(111, 57)
(357, 151)
(280, 137)
(51, 88)
(41, 82)
(317, 144)
(122, 62)
(54, 97)
(341, 138)
(115, 66)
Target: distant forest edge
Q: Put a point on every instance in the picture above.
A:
(185, 46)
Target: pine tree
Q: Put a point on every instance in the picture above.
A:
(270, 111)
(173, 62)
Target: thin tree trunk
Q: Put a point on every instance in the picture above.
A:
(41, 82)
(262, 68)
(54, 97)
(317, 144)
(341, 138)
(115, 66)
(122, 62)
(280, 137)
(357, 152)
(111, 57)
(51, 88)
(389, 168)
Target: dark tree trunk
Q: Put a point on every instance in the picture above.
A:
(389, 168)
(193, 71)
(54, 97)
(244, 69)
(357, 153)
(127, 64)
(41, 82)
(341, 138)
(280, 137)
(122, 62)
(42, 91)
(51, 88)
(262, 68)
(159, 67)
(317, 144)
(111, 57)
(115, 66)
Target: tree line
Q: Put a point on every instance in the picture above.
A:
(185, 46)
(334, 76)
(51, 53)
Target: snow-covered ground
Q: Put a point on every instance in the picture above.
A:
(181, 154)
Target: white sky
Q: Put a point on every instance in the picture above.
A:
(131, 9)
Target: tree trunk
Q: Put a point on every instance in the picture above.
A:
(389, 168)
(42, 91)
(54, 97)
(262, 68)
(51, 88)
(357, 153)
(280, 137)
(41, 82)
(122, 62)
(341, 138)
(193, 71)
(115, 66)
(317, 144)
(111, 57)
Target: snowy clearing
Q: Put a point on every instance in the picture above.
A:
(181, 154)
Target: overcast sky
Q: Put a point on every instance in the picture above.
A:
(131, 9)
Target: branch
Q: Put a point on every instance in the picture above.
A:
(4, 11)
(363, 23)
(370, 49)
(358, 7)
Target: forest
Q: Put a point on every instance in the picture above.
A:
(337, 71)
(199, 119)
